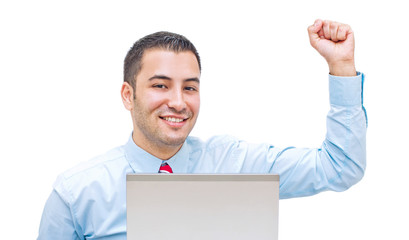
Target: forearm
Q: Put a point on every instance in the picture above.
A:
(345, 143)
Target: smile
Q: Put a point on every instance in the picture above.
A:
(173, 119)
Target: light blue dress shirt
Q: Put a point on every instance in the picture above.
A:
(89, 201)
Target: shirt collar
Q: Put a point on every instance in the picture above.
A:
(144, 162)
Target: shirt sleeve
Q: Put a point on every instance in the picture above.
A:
(341, 160)
(336, 165)
(56, 221)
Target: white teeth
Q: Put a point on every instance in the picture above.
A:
(172, 119)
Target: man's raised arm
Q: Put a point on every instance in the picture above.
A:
(341, 160)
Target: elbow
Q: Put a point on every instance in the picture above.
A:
(357, 177)
(351, 175)
(347, 164)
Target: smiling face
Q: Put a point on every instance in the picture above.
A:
(165, 102)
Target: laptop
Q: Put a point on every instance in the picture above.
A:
(202, 206)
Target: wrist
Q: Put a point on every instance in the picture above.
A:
(342, 69)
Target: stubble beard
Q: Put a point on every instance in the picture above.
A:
(154, 136)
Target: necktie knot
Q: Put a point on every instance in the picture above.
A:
(165, 168)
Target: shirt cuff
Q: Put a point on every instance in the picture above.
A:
(346, 91)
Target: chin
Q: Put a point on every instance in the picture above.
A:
(174, 140)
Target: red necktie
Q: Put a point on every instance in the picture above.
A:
(165, 168)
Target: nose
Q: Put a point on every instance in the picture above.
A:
(176, 101)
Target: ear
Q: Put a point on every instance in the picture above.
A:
(127, 96)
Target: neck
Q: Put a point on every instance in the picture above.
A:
(161, 151)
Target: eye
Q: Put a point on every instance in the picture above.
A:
(190, 88)
(162, 86)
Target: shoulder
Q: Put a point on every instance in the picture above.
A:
(95, 188)
(91, 165)
(212, 142)
(112, 162)
(221, 142)
(229, 145)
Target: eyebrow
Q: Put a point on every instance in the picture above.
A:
(163, 77)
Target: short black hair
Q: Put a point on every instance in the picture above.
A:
(159, 40)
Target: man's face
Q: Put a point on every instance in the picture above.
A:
(167, 99)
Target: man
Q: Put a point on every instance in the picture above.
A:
(161, 90)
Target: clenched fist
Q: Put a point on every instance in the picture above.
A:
(335, 42)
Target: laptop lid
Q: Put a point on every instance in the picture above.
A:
(196, 206)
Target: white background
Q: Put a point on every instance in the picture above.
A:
(61, 73)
